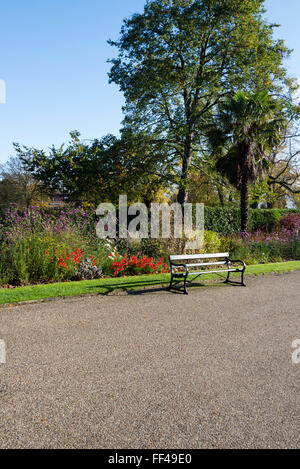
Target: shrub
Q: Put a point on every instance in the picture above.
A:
(151, 247)
(222, 220)
(212, 242)
(265, 220)
(290, 222)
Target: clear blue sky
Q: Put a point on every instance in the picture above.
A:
(53, 60)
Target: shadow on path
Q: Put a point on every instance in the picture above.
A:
(145, 286)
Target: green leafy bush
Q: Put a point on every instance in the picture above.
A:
(222, 220)
(265, 220)
(212, 242)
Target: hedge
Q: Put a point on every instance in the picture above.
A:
(225, 220)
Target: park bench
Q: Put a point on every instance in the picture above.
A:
(185, 265)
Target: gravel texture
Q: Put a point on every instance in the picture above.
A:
(154, 369)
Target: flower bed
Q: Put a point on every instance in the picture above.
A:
(260, 247)
(138, 265)
(41, 247)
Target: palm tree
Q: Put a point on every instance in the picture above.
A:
(246, 130)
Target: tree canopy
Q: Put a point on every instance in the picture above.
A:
(179, 58)
(98, 171)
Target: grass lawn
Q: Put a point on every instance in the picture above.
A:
(104, 286)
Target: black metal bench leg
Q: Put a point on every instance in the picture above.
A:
(227, 279)
(242, 280)
(185, 290)
(170, 286)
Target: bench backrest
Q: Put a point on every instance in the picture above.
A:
(196, 257)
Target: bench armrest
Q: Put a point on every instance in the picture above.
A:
(238, 260)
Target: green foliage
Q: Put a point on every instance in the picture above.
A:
(151, 247)
(212, 242)
(262, 193)
(247, 128)
(222, 220)
(226, 220)
(100, 170)
(265, 220)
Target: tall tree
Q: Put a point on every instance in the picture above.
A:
(179, 58)
(246, 130)
(100, 170)
(18, 185)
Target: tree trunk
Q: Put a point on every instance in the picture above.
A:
(186, 161)
(244, 204)
(221, 195)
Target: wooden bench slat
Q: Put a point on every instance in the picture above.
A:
(192, 272)
(204, 264)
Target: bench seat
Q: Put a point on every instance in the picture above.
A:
(210, 271)
(184, 264)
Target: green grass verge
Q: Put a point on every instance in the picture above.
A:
(104, 286)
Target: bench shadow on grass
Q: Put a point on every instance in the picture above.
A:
(131, 287)
(140, 287)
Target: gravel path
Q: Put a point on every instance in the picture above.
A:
(155, 370)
